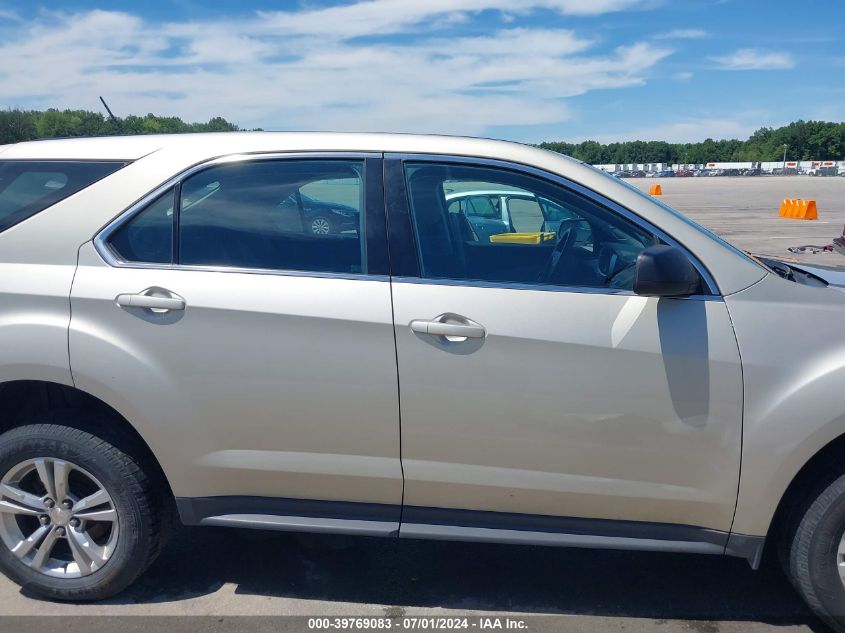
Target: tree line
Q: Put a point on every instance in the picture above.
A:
(805, 140)
(28, 125)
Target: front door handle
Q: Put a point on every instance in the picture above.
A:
(151, 301)
(439, 326)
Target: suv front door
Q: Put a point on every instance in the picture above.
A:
(539, 394)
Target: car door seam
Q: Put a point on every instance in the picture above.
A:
(70, 314)
(741, 418)
(387, 236)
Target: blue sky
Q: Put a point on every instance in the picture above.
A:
(526, 70)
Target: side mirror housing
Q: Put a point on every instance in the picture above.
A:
(665, 271)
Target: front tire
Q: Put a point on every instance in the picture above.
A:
(815, 555)
(79, 518)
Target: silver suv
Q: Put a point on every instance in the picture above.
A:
(178, 343)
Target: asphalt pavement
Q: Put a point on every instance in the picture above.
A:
(255, 581)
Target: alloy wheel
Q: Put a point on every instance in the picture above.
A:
(320, 226)
(57, 518)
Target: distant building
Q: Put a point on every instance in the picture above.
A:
(768, 166)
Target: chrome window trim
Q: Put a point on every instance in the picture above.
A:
(113, 259)
(508, 285)
(576, 187)
(249, 271)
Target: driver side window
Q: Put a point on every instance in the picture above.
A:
(547, 235)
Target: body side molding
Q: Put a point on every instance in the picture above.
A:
(372, 519)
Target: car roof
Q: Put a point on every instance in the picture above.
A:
(224, 143)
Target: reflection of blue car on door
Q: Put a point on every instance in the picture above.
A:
(492, 212)
(325, 218)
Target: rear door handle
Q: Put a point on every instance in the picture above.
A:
(440, 327)
(151, 301)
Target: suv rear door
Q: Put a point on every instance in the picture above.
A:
(254, 353)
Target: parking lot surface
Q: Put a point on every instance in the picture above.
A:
(744, 210)
(240, 576)
(228, 573)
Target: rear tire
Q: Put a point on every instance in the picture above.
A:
(815, 553)
(128, 489)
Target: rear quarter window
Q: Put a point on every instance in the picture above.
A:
(27, 187)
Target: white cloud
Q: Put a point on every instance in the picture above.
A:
(754, 59)
(682, 34)
(307, 70)
(515, 42)
(682, 76)
(391, 16)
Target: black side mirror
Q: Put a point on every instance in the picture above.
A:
(665, 271)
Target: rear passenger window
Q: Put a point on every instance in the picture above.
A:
(298, 215)
(29, 187)
(543, 234)
(148, 236)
